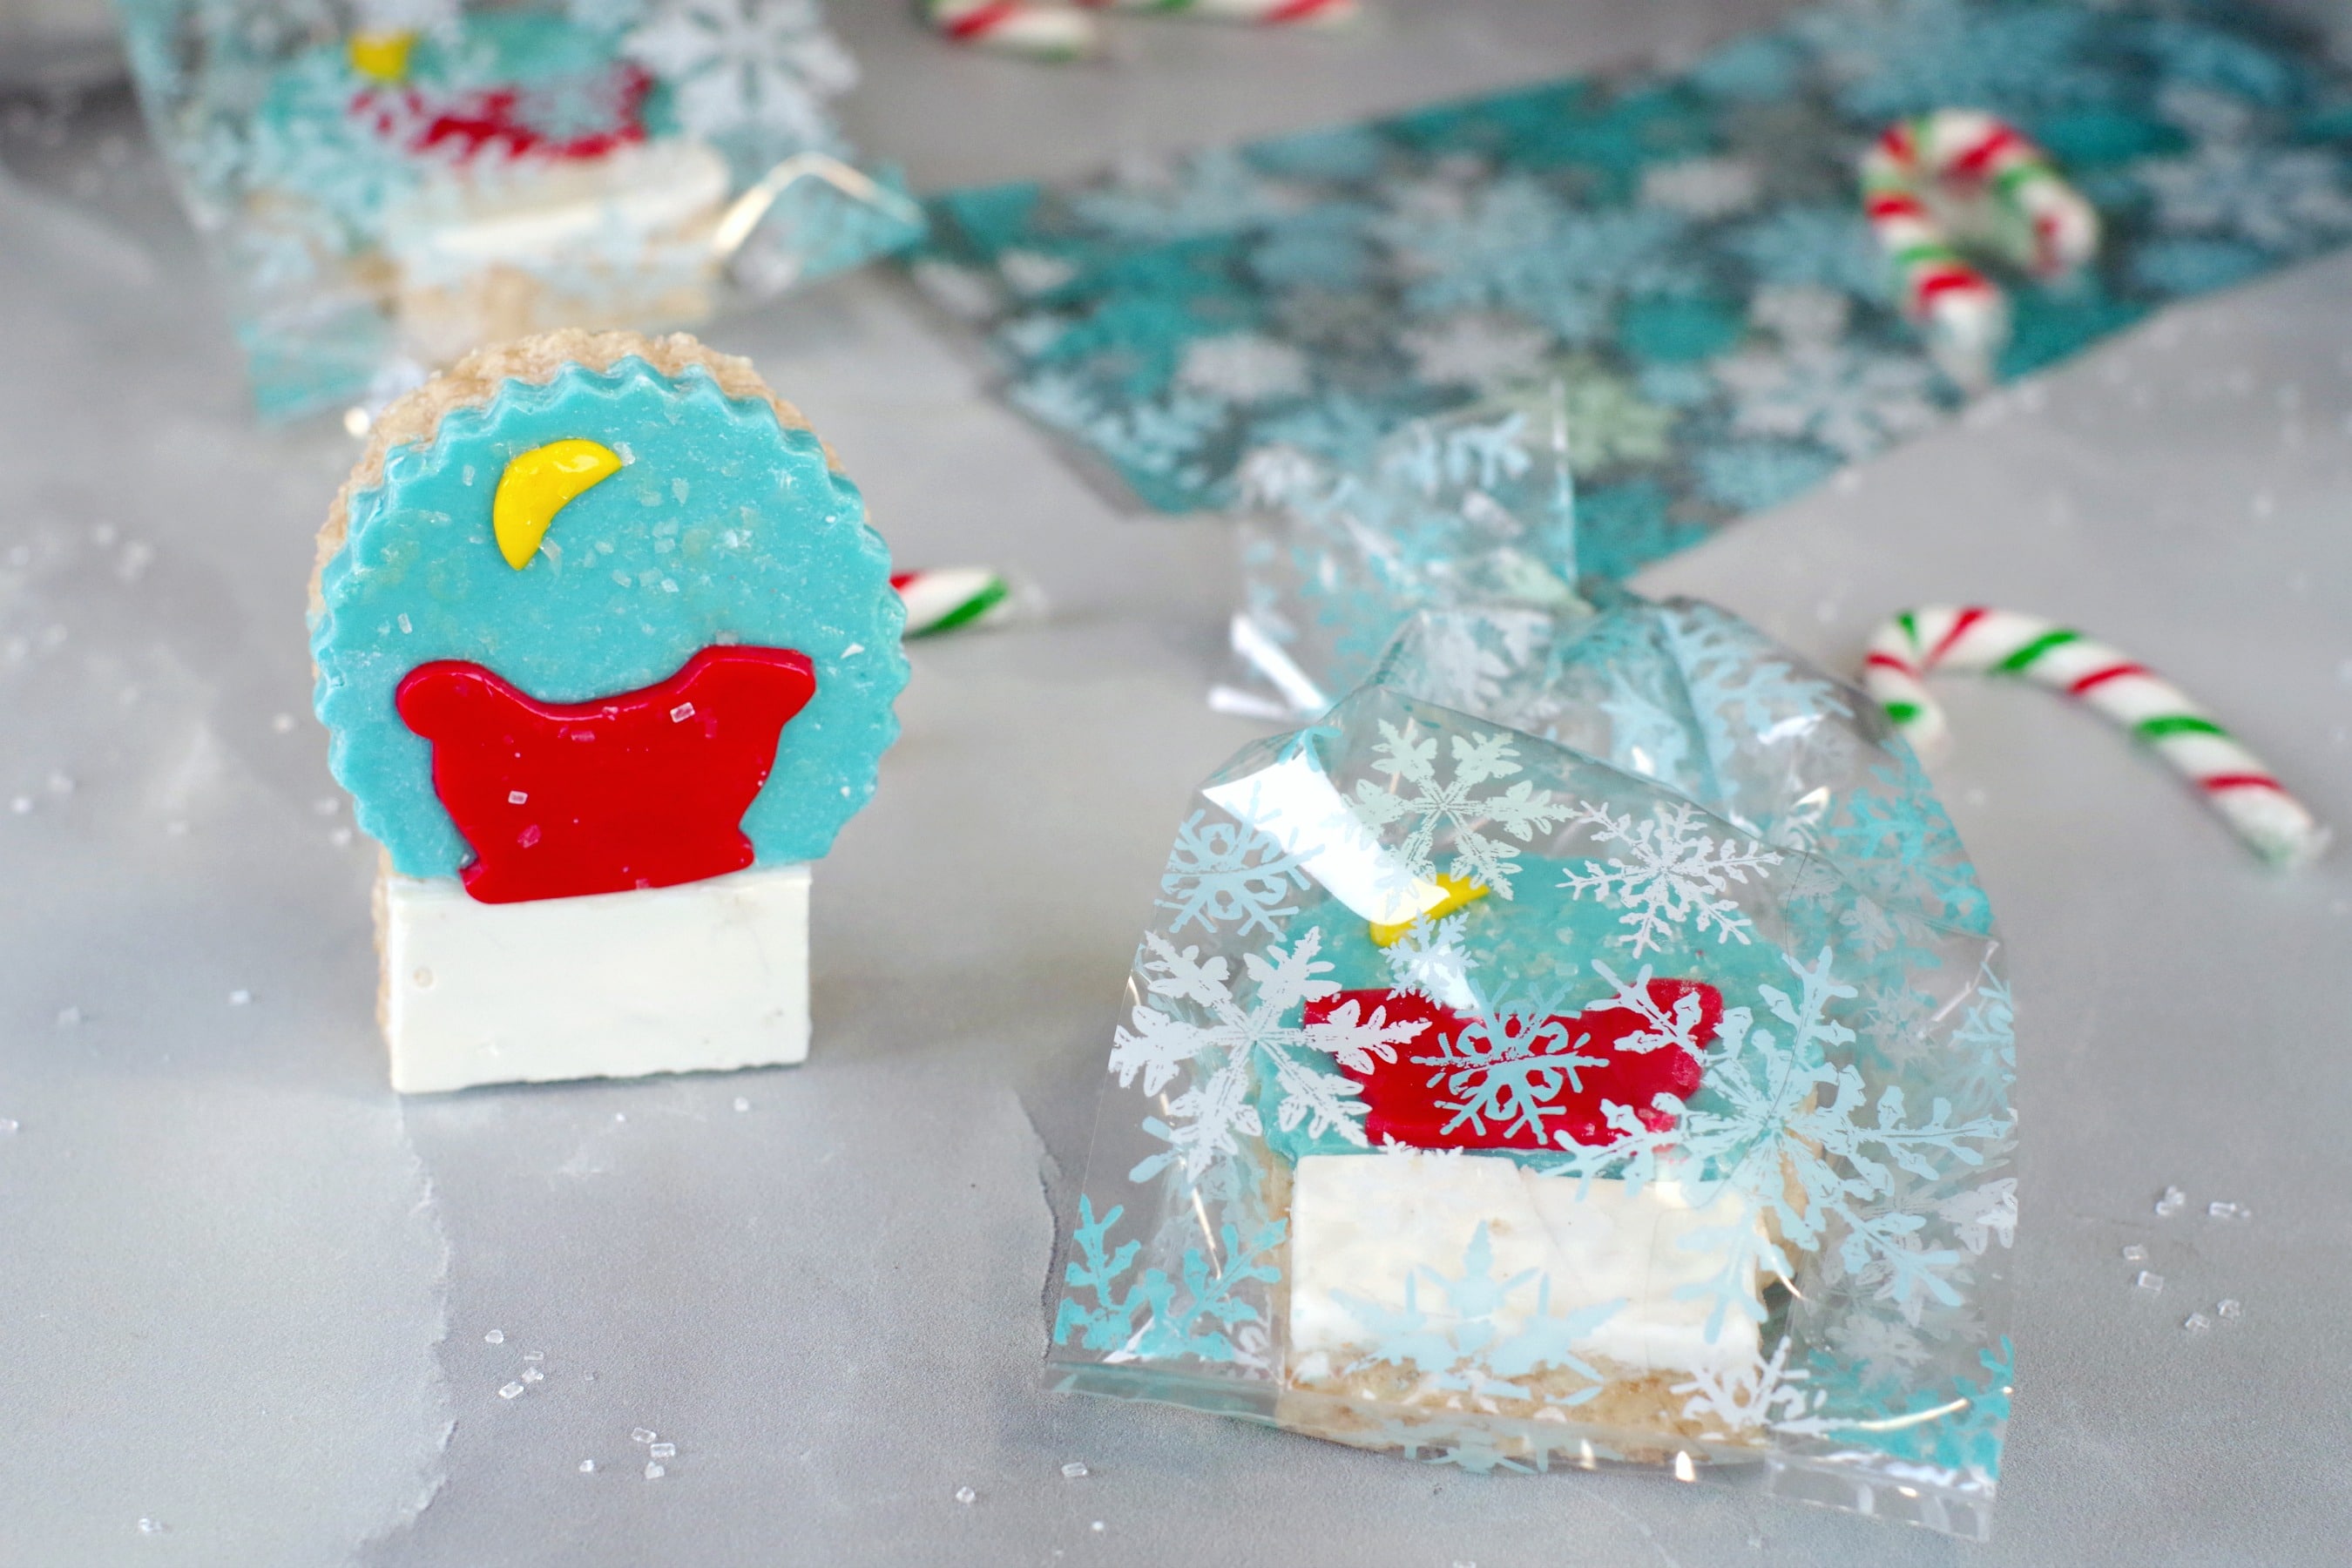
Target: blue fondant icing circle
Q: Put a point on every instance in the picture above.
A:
(722, 526)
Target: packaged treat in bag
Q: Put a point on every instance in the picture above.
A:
(390, 184)
(1585, 1045)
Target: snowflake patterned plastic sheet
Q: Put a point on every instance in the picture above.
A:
(1687, 250)
(1601, 1060)
(390, 184)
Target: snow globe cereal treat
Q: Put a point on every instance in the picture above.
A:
(606, 651)
(395, 184)
(1585, 1045)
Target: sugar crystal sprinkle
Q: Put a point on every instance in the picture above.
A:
(511, 1391)
(534, 1355)
(1074, 1470)
(655, 1472)
(2135, 1253)
(532, 1374)
(681, 713)
(966, 1496)
(662, 1451)
(495, 1337)
(641, 1435)
(2220, 1209)
(587, 1467)
(2228, 1308)
(240, 997)
(2171, 1203)
(741, 1103)
(2196, 1322)
(2149, 1282)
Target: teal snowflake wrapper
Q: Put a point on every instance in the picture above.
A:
(1690, 235)
(1538, 852)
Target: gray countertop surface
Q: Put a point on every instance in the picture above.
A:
(250, 1299)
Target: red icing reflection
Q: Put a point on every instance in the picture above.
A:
(511, 122)
(644, 789)
(1419, 1099)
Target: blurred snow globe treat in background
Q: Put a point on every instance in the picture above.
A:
(1585, 1044)
(606, 654)
(391, 184)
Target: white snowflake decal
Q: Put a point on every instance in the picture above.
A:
(1852, 402)
(1433, 805)
(1229, 1038)
(1243, 367)
(1782, 1131)
(1475, 349)
(746, 65)
(1703, 188)
(1670, 874)
(1764, 1393)
(1220, 871)
(2282, 201)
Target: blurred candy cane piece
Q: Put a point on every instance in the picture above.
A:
(946, 598)
(1266, 13)
(1017, 27)
(1905, 650)
(1962, 177)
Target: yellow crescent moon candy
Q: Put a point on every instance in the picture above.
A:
(538, 484)
(382, 56)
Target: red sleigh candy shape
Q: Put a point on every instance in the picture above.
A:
(641, 789)
(1429, 1097)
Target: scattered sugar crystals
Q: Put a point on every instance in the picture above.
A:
(2149, 1281)
(681, 713)
(240, 997)
(1074, 1470)
(741, 1103)
(655, 1472)
(966, 1496)
(2196, 1322)
(511, 1391)
(2228, 1307)
(640, 1435)
(8, 1125)
(2219, 1209)
(587, 1467)
(532, 1374)
(152, 1527)
(495, 1337)
(2171, 1203)
(2135, 1253)
(662, 1451)
(534, 1355)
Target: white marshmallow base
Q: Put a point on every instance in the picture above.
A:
(1363, 1225)
(705, 977)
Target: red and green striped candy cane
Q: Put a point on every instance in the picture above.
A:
(1264, 13)
(1017, 27)
(949, 598)
(2236, 782)
(1960, 177)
